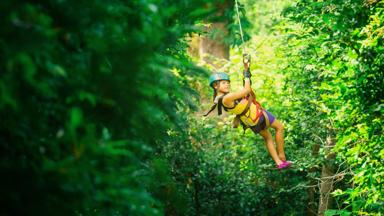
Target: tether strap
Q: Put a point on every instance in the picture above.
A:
(219, 105)
(212, 108)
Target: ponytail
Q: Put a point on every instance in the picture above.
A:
(217, 82)
(214, 94)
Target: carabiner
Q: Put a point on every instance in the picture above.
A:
(246, 58)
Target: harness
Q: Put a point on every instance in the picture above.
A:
(237, 120)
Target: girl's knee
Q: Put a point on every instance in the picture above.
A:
(278, 126)
(266, 135)
(281, 127)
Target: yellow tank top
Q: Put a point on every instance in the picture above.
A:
(251, 117)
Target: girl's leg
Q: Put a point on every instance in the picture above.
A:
(271, 148)
(279, 127)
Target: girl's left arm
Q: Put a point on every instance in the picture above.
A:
(231, 97)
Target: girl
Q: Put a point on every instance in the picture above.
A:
(250, 113)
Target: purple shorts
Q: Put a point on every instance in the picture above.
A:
(261, 125)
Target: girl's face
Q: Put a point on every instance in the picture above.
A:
(223, 86)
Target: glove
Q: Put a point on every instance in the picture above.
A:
(247, 73)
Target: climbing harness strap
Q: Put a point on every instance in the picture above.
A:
(210, 110)
(219, 106)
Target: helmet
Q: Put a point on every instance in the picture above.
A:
(216, 77)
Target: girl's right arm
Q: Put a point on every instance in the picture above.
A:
(231, 97)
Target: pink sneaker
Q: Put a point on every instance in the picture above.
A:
(284, 165)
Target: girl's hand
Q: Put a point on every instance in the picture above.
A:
(246, 66)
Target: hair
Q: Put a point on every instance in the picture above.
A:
(214, 94)
(217, 82)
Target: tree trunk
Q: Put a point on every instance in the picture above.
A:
(311, 205)
(327, 172)
(214, 44)
(196, 186)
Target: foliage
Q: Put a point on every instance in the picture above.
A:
(341, 45)
(85, 102)
(98, 108)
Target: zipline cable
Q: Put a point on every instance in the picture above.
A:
(238, 19)
(246, 57)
